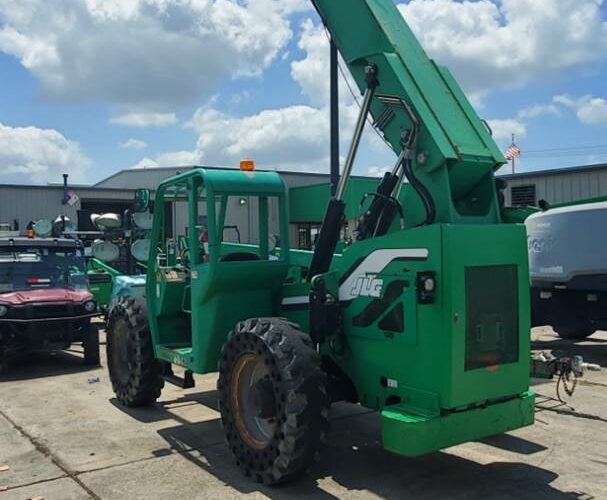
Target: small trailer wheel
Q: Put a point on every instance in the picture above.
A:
(574, 332)
(135, 373)
(273, 400)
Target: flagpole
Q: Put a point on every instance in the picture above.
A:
(513, 159)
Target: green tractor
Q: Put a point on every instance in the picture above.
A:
(424, 318)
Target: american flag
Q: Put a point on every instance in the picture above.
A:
(513, 152)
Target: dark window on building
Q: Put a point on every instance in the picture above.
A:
(523, 196)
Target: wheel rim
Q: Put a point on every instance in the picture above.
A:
(120, 351)
(252, 401)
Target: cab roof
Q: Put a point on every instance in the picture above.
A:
(236, 182)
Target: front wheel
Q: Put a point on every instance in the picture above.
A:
(135, 373)
(90, 345)
(273, 399)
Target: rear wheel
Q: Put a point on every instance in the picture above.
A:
(574, 332)
(135, 373)
(273, 400)
(90, 344)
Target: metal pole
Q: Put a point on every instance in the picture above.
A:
(513, 158)
(65, 196)
(358, 132)
(334, 119)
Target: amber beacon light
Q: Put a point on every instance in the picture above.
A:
(247, 165)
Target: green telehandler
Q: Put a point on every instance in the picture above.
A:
(424, 317)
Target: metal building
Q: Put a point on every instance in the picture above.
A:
(116, 193)
(30, 203)
(242, 212)
(557, 185)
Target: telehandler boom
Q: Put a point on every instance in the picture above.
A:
(424, 318)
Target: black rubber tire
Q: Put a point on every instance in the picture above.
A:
(137, 377)
(300, 397)
(90, 345)
(578, 332)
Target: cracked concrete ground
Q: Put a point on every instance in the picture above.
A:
(63, 438)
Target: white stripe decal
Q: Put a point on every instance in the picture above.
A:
(374, 263)
(291, 301)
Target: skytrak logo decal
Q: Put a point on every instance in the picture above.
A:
(367, 286)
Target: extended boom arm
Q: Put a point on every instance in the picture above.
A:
(451, 163)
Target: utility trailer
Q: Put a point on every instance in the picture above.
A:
(424, 318)
(568, 268)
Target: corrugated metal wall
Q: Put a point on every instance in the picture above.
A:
(564, 186)
(26, 203)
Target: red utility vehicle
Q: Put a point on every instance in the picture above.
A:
(45, 303)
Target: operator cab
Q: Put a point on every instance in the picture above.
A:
(216, 272)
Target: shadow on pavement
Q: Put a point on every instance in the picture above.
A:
(514, 444)
(356, 461)
(357, 466)
(161, 410)
(43, 364)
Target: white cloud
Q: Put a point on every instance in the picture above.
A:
(378, 171)
(312, 72)
(590, 110)
(145, 163)
(241, 97)
(39, 155)
(295, 136)
(490, 44)
(503, 129)
(135, 144)
(538, 110)
(146, 53)
(170, 159)
(142, 120)
(290, 138)
(179, 158)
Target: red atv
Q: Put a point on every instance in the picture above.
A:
(45, 304)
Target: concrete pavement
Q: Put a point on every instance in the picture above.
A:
(65, 438)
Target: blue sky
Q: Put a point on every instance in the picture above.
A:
(97, 86)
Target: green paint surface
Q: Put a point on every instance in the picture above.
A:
(447, 371)
(308, 203)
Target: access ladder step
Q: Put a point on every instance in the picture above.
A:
(185, 382)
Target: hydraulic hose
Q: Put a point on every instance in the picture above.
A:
(422, 191)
